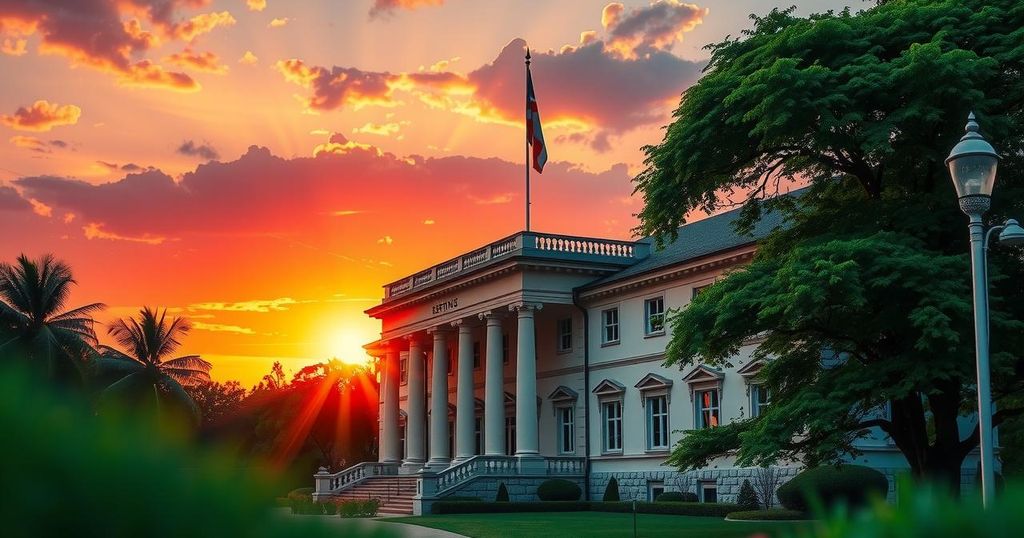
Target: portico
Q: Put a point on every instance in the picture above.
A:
(466, 329)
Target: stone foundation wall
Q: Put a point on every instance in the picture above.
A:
(634, 485)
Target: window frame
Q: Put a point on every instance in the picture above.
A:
(606, 429)
(563, 333)
(698, 408)
(403, 370)
(649, 330)
(510, 435)
(566, 430)
(477, 354)
(606, 325)
(505, 348)
(757, 406)
(662, 415)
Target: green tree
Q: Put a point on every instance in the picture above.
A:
(862, 300)
(33, 319)
(144, 373)
(216, 401)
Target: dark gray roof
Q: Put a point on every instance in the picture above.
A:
(697, 239)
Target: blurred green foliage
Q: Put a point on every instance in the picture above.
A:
(928, 512)
(66, 471)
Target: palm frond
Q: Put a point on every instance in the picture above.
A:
(177, 394)
(190, 362)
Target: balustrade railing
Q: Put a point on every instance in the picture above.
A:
(335, 482)
(566, 466)
(473, 467)
(527, 243)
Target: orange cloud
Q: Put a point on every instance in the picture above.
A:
(108, 35)
(96, 231)
(279, 22)
(248, 58)
(14, 46)
(382, 129)
(387, 7)
(200, 61)
(34, 144)
(643, 30)
(218, 327)
(42, 116)
(256, 5)
(202, 24)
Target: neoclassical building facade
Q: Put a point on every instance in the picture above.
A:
(542, 355)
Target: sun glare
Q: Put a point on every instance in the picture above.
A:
(346, 346)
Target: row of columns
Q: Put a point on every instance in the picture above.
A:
(527, 446)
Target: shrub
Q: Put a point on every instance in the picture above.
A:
(676, 497)
(470, 507)
(852, 485)
(611, 491)
(558, 489)
(777, 514)
(358, 508)
(502, 496)
(330, 508)
(747, 499)
(670, 508)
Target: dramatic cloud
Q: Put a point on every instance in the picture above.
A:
(37, 145)
(387, 7)
(200, 61)
(129, 167)
(645, 30)
(258, 305)
(261, 194)
(192, 149)
(109, 35)
(10, 200)
(256, 5)
(603, 86)
(42, 116)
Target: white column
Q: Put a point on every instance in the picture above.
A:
(494, 389)
(465, 406)
(439, 456)
(390, 451)
(526, 381)
(416, 419)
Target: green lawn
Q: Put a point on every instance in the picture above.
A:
(572, 524)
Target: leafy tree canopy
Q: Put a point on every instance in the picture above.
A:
(862, 299)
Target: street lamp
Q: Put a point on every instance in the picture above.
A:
(972, 165)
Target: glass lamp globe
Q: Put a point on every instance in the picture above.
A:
(973, 162)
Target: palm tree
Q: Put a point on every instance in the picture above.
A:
(144, 372)
(33, 322)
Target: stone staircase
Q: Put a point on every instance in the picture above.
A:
(395, 493)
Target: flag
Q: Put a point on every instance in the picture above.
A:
(534, 135)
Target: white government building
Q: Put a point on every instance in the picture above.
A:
(540, 355)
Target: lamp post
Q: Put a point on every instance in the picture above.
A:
(972, 165)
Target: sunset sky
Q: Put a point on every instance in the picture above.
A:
(263, 167)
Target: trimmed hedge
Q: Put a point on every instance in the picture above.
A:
(557, 489)
(747, 499)
(852, 485)
(470, 507)
(611, 492)
(775, 514)
(677, 497)
(357, 508)
(670, 508)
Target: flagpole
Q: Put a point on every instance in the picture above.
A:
(527, 140)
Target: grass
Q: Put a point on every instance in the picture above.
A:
(572, 524)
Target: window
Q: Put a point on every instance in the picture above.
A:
(566, 431)
(657, 422)
(707, 409)
(401, 440)
(504, 348)
(612, 412)
(610, 332)
(654, 316)
(451, 437)
(708, 492)
(565, 334)
(510, 435)
(478, 423)
(654, 488)
(697, 290)
(760, 399)
(403, 370)
(451, 360)
(476, 355)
